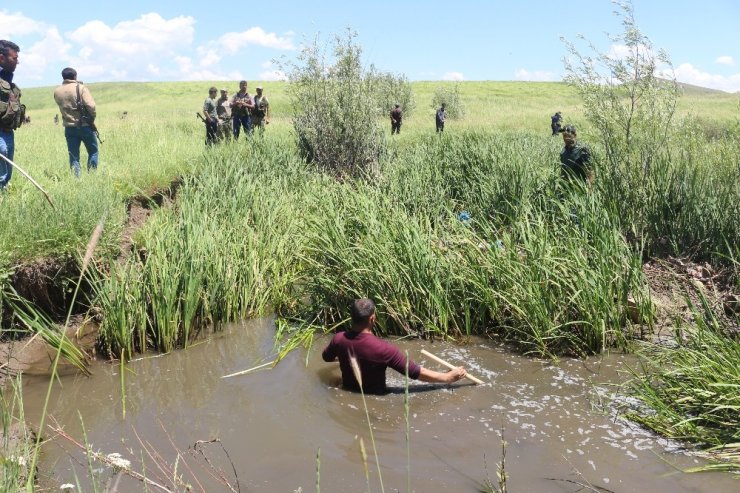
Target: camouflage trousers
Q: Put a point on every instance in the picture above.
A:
(224, 131)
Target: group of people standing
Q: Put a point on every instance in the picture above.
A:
(226, 117)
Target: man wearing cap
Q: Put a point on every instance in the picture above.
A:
(223, 111)
(373, 355)
(11, 109)
(396, 116)
(209, 111)
(575, 159)
(261, 111)
(77, 107)
(241, 110)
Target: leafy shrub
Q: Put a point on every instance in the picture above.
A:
(450, 96)
(336, 108)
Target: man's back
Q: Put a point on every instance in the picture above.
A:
(373, 355)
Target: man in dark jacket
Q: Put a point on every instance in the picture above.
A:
(440, 118)
(396, 117)
(12, 112)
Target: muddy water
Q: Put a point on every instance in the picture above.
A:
(273, 422)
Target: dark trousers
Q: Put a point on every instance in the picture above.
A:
(242, 121)
(440, 126)
(211, 131)
(395, 128)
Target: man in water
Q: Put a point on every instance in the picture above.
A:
(374, 355)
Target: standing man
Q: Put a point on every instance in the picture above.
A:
(223, 110)
(12, 112)
(261, 111)
(396, 116)
(374, 355)
(555, 122)
(575, 159)
(440, 119)
(241, 110)
(77, 107)
(211, 116)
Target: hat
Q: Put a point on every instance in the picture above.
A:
(224, 90)
(259, 88)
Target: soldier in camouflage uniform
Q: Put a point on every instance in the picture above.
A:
(223, 111)
(261, 111)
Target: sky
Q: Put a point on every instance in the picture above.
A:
(157, 40)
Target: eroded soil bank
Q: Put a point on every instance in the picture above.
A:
(273, 422)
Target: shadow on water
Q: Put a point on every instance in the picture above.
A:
(273, 421)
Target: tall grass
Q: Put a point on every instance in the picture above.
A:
(693, 391)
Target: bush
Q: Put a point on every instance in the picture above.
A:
(335, 108)
(392, 89)
(450, 96)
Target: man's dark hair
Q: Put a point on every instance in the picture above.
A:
(568, 129)
(361, 310)
(6, 46)
(69, 74)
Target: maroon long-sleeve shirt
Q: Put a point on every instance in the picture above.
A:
(373, 355)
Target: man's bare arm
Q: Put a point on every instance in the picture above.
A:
(432, 376)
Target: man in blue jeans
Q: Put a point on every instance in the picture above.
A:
(11, 109)
(78, 117)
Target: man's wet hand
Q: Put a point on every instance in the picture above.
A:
(456, 374)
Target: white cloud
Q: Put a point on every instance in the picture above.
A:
(273, 75)
(456, 76)
(129, 49)
(44, 53)
(691, 75)
(232, 42)
(537, 75)
(725, 60)
(13, 25)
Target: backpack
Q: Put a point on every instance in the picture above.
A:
(12, 112)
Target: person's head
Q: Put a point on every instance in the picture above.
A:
(69, 74)
(443, 106)
(363, 313)
(8, 55)
(258, 89)
(212, 92)
(569, 135)
(242, 85)
(224, 92)
(398, 105)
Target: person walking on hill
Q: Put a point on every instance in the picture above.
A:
(555, 122)
(77, 107)
(396, 117)
(261, 111)
(211, 116)
(12, 112)
(575, 159)
(223, 111)
(440, 118)
(374, 355)
(241, 110)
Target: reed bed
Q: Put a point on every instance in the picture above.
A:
(693, 390)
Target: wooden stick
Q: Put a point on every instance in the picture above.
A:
(249, 370)
(450, 366)
(30, 178)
